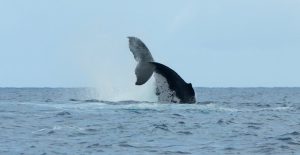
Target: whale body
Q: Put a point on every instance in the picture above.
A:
(170, 87)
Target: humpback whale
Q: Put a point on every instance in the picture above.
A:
(170, 87)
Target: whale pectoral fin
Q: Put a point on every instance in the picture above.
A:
(143, 72)
(142, 55)
(174, 85)
(139, 50)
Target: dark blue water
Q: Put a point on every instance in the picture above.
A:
(225, 121)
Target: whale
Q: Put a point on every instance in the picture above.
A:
(169, 86)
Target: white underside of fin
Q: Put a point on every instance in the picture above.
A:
(164, 93)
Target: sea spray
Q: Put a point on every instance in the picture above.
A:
(110, 69)
(126, 91)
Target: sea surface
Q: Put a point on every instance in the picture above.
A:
(46, 121)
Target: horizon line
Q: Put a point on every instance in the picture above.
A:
(87, 87)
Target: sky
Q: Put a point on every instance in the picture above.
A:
(215, 43)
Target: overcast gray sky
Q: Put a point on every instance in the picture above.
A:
(215, 43)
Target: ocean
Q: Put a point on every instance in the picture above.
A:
(72, 121)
